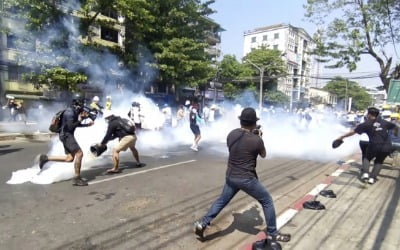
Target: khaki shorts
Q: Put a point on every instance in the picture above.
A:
(126, 142)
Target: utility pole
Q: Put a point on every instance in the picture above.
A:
(345, 96)
(261, 70)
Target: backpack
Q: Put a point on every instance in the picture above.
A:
(55, 125)
(127, 125)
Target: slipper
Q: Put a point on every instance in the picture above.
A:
(314, 205)
(110, 171)
(139, 165)
(328, 193)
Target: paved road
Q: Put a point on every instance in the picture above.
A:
(146, 208)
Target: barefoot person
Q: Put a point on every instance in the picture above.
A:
(71, 119)
(245, 145)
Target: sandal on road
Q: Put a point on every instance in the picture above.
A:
(112, 171)
(281, 237)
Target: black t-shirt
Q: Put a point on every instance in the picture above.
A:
(377, 130)
(244, 148)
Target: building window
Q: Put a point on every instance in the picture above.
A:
(265, 37)
(275, 47)
(254, 39)
(11, 41)
(15, 73)
(109, 34)
(276, 36)
(110, 13)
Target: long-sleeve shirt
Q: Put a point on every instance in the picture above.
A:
(70, 121)
(114, 130)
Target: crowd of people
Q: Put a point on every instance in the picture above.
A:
(244, 144)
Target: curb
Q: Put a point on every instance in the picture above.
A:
(291, 212)
(30, 136)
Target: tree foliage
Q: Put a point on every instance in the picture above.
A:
(360, 97)
(166, 36)
(351, 28)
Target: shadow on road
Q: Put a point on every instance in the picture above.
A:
(9, 151)
(245, 222)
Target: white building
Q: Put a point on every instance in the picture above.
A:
(295, 43)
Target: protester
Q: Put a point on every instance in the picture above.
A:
(245, 145)
(379, 146)
(180, 115)
(194, 126)
(96, 106)
(167, 112)
(71, 119)
(108, 103)
(135, 115)
(13, 109)
(206, 113)
(127, 139)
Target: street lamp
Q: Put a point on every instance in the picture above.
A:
(261, 70)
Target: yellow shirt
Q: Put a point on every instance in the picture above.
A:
(108, 105)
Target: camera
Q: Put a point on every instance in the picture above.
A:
(92, 113)
(257, 130)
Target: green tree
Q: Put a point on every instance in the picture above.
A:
(356, 27)
(270, 60)
(178, 41)
(234, 75)
(276, 97)
(360, 97)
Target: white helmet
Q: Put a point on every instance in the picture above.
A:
(96, 99)
(108, 97)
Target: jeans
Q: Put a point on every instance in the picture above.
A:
(252, 187)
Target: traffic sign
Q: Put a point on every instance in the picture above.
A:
(394, 92)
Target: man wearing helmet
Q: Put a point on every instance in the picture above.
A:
(95, 105)
(71, 119)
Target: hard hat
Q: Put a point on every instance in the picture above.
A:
(108, 97)
(96, 99)
(395, 115)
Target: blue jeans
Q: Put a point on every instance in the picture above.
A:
(252, 187)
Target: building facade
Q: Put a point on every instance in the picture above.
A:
(320, 97)
(295, 44)
(15, 44)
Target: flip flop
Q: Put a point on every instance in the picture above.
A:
(113, 171)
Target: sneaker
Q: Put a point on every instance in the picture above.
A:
(194, 148)
(42, 160)
(199, 229)
(371, 180)
(365, 176)
(77, 181)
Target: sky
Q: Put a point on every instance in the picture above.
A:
(238, 16)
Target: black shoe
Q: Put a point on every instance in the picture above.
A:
(42, 160)
(199, 229)
(77, 181)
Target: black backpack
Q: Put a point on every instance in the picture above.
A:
(127, 125)
(55, 125)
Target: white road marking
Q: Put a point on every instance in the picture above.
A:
(285, 217)
(140, 172)
(317, 189)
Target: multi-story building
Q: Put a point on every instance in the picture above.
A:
(320, 97)
(295, 44)
(14, 45)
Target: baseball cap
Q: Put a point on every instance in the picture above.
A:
(248, 115)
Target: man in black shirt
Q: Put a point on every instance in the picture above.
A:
(71, 119)
(194, 126)
(379, 146)
(244, 145)
(127, 139)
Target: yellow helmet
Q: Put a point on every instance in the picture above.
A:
(395, 116)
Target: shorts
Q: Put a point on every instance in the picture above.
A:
(71, 146)
(195, 129)
(126, 142)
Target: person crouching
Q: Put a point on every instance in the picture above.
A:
(127, 139)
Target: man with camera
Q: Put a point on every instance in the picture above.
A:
(245, 145)
(71, 119)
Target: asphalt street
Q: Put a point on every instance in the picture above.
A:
(152, 207)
